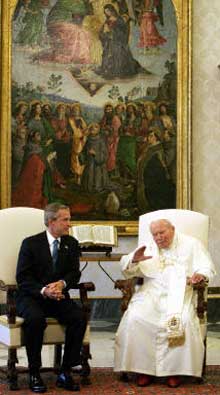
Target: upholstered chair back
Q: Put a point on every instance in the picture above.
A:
(189, 222)
(15, 224)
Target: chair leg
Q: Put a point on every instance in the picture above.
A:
(204, 360)
(12, 371)
(57, 357)
(124, 377)
(85, 356)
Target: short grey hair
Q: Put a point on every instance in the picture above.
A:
(51, 210)
(164, 221)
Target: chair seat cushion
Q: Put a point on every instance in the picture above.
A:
(11, 335)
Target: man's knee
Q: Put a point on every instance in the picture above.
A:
(35, 321)
(77, 317)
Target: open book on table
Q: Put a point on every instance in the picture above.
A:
(104, 235)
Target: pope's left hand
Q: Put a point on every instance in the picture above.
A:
(195, 279)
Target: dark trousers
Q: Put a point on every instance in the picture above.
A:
(67, 312)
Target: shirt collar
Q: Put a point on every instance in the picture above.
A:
(51, 239)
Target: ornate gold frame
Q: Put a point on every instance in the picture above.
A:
(183, 13)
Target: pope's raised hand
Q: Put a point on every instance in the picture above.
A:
(139, 255)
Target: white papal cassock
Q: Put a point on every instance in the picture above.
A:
(141, 343)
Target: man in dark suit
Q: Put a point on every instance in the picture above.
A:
(44, 275)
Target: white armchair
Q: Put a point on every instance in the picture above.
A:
(186, 221)
(189, 222)
(16, 224)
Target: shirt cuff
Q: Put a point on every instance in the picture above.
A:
(42, 291)
(64, 283)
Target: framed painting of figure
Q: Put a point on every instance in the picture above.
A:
(96, 106)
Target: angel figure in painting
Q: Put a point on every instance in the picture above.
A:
(69, 40)
(18, 23)
(149, 35)
(93, 23)
(31, 24)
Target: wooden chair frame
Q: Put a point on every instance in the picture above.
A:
(11, 370)
(127, 288)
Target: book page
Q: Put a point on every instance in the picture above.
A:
(83, 233)
(104, 234)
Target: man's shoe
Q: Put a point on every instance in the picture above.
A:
(143, 380)
(173, 381)
(36, 383)
(64, 380)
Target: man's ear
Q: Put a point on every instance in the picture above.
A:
(50, 221)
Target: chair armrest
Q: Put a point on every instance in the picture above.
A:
(201, 289)
(10, 301)
(83, 289)
(127, 289)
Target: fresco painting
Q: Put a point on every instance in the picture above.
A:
(94, 119)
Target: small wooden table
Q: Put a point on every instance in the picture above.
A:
(88, 257)
(98, 258)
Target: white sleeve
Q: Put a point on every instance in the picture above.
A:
(147, 268)
(202, 262)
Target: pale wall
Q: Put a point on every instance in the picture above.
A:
(206, 117)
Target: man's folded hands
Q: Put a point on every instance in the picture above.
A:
(54, 290)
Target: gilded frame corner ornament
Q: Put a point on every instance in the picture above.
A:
(183, 10)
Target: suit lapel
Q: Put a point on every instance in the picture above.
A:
(64, 250)
(44, 245)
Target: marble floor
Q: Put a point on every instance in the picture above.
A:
(102, 346)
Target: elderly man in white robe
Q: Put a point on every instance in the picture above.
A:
(160, 333)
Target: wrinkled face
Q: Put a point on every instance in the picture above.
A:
(162, 233)
(60, 225)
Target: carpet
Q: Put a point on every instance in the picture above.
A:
(106, 382)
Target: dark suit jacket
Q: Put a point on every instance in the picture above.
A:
(35, 265)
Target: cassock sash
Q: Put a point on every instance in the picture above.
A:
(175, 303)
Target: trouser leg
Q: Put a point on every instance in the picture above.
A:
(71, 315)
(33, 327)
